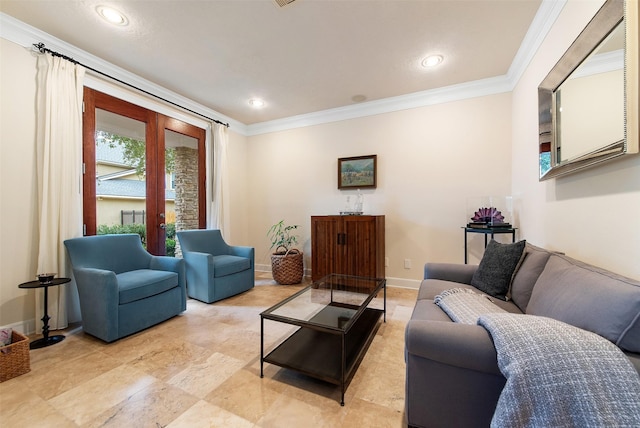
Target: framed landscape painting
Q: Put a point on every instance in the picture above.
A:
(357, 172)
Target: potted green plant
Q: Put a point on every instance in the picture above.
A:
(286, 261)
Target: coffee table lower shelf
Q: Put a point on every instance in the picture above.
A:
(320, 354)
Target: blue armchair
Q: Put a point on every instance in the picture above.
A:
(215, 270)
(122, 288)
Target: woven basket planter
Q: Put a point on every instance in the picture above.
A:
(287, 268)
(14, 358)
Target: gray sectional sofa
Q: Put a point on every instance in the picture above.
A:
(453, 378)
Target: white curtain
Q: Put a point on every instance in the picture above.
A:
(217, 179)
(59, 174)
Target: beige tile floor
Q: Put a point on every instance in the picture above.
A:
(202, 369)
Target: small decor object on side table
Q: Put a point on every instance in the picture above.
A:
(45, 280)
(356, 207)
(489, 212)
(488, 217)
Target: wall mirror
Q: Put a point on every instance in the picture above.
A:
(588, 103)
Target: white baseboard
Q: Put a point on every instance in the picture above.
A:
(413, 284)
(263, 268)
(25, 327)
(391, 282)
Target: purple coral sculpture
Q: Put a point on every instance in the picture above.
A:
(488, 215)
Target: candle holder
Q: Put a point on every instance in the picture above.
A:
(45, 278)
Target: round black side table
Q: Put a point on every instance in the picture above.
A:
(46, 339)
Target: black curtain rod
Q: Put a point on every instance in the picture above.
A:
(40, 47)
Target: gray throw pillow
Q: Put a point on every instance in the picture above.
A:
(497, 267)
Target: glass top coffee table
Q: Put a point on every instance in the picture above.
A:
(337, 317)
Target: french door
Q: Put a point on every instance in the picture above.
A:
(144, 172)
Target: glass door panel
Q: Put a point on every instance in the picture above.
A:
(182, 201)
(121, 187)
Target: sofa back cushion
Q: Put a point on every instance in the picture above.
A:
(590, 298)
(535, 259)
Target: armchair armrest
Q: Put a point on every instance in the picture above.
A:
(200, 267)
(240, 251)
(172, 264)
(450, 272)
(99, 297)
(460, 345)
(169, 264)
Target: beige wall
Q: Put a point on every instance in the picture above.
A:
(18, 204)
(238, 212)
(430, 160)
(591, 215)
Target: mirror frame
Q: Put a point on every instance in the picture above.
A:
(606, 19)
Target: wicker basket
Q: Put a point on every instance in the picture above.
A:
(14, 358)
(287, 268)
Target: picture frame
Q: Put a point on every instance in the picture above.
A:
(358, 172)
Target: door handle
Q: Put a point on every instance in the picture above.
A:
(163, 226)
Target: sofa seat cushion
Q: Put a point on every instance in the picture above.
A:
(590, 298)
(228, 265)
(142, 283)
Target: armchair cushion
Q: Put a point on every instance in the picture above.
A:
(141, 283)
(227, 265)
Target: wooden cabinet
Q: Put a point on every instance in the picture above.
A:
(350, 245)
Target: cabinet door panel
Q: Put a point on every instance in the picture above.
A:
(359, 251)
(324, 253)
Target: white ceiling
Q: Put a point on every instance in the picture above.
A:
(309, 56)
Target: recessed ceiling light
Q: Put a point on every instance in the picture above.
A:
(111, 15)
(256, 102)
(432, 61)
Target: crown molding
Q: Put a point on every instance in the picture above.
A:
(25, 35)
(545, 17)
(477, 88)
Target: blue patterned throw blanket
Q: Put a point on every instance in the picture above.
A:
(557, 375)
